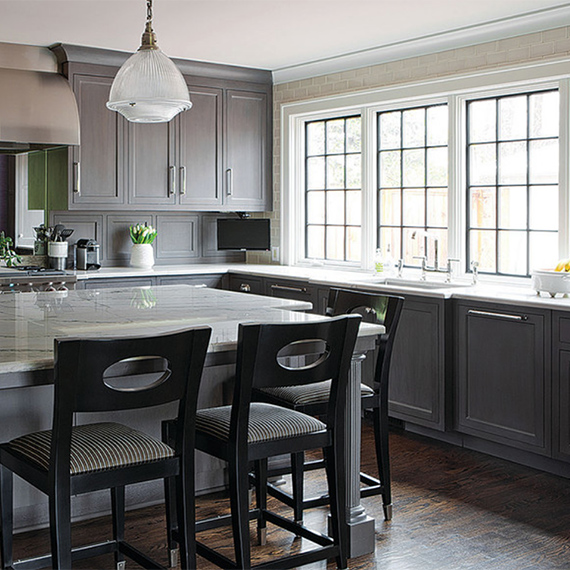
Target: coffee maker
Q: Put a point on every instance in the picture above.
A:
(87, 254)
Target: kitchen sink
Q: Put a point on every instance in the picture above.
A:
(395, 281)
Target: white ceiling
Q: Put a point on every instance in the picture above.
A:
(269, 34)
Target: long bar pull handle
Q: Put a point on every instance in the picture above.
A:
(285, 288)
(182, 180)
(76, 178)
(172, 187)
(229, 182)
(498, 315)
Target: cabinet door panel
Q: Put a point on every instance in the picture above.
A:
(417, 373)
(247, 146)
(563, 404)
(177, 236)
(119, 245)
(152, 172)
(96, 169)
(200, 154)
(503, 376)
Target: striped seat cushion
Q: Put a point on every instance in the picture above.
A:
(308, 393)
(266, 423)
(95, 447)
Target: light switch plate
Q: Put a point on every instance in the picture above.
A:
(275, 253)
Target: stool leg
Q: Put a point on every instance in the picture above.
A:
(6, 508)
(261, 499)
(297, 474)
(60, 526)
(239, 504)
(118, 510)
(186, 516)
(170, 501)
(336, 476)
(381, 441)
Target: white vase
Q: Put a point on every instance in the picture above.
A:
(142, 255)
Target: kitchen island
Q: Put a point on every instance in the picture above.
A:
(30, 321)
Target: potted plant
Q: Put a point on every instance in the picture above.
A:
(142, 254)
(7, 254)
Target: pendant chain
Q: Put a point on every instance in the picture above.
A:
(149, 11)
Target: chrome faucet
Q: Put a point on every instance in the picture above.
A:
(400, 267)
(435, 268)
(422, 233)
(475, 271)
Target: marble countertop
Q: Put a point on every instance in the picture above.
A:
(30, 321)
(517, 295)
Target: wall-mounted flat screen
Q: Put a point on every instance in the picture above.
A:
(248, 234)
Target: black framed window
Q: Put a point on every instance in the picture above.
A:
(512, 182)
(412, 180)
(333, 193)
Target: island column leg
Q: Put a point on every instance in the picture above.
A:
(360, 525)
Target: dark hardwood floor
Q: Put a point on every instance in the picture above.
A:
(453, 510)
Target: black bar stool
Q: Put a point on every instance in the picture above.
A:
(100, 375)
(382, 309)
(246, 432)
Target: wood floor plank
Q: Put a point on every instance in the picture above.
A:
(454, 509)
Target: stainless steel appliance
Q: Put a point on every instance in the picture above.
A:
(31, 278)
(87, 254)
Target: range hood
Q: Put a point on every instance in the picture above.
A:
(37, 106)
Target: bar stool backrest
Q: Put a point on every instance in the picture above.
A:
(291, 354)
(374, 308)
(110, 374)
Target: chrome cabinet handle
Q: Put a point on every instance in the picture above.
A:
(229, 182)
(172, 188)
(285, 288)
(245, 288)
(182, 180)
(498, 315)
(76, 176)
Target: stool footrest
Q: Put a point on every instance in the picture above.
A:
(89, 551)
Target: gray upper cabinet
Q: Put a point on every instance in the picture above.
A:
(214, 157)
(152, 165)
(247, 158)
(96, 166)
(200, 150)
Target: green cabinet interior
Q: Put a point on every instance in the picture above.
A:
(47, 179)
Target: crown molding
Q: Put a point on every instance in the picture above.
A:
(536, 21)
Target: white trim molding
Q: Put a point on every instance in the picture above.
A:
(535, 21)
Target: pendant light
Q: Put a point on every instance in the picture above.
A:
(149, 88)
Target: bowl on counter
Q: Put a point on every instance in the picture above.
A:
(550, 281)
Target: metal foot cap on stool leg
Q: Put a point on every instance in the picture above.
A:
(173, 557)
(262, 536)
(388, 512)
(121, 565)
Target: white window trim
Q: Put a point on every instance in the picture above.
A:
(455, 91)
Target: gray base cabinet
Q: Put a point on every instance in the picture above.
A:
(418, 371)
(503, 375)
(561, 385)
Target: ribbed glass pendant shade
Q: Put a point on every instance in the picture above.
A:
(149, 88)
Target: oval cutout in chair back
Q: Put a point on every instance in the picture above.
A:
(137, 374)
(303, 354)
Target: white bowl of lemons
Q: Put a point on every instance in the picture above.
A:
(553, 281)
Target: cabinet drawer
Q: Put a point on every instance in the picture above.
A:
(564, 330)
(297, 290)
(111, 283)
(246, 284)
(214, 281)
